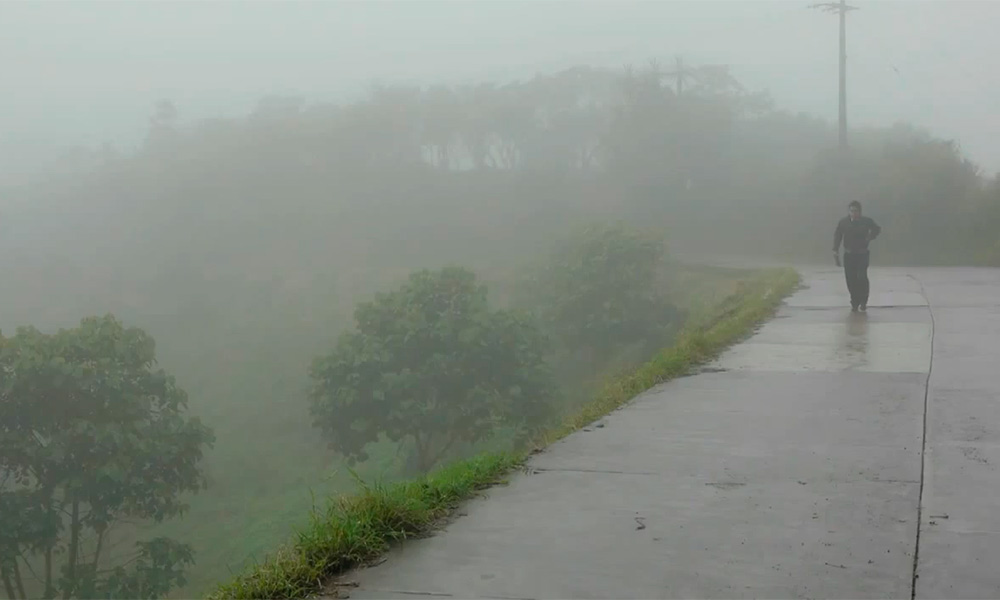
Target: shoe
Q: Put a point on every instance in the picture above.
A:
(854, 308)
(863, 308)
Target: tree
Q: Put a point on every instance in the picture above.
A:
(91, 434)
(431, 364)
(598, 289)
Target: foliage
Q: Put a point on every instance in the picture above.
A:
(234, 212)
(356, 529)
(91, 434)
(432, 364)
(599, 289)
(702, 338)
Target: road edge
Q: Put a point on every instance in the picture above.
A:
(356, 529)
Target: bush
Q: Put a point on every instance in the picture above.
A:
(431, 364)
(599, 290)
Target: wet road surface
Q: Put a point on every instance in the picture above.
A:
(832, 455)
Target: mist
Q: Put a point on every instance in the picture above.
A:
(106, 63)
(267, 189)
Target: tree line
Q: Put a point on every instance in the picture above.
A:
(245, 245)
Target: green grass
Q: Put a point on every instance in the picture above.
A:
(246, 379)
(355, 529)
(706, 335)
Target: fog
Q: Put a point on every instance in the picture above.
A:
(258, 187)
(89, 72)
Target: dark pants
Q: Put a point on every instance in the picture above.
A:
(856, 272)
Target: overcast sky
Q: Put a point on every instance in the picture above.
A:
(79, 71)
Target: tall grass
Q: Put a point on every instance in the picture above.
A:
(352, 530)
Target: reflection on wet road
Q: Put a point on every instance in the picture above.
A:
(817, 332)
(855, 342)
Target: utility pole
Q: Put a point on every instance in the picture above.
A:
(680, 75)
(841, 8)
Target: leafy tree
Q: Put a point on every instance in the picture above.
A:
(599, 289)
(430, 364)
(91, 434)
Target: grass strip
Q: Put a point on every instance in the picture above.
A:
(355, 529)
(705, 337)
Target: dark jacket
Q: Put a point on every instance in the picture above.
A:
(855, 234)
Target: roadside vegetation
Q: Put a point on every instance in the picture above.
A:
(326, 285)
(353, 529)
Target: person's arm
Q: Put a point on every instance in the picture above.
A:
(838, 236)
(873, 229)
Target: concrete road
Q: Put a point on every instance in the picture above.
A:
(830, 456)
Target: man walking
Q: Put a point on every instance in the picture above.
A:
(855, 231)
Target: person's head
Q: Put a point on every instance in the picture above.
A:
(854, 208)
